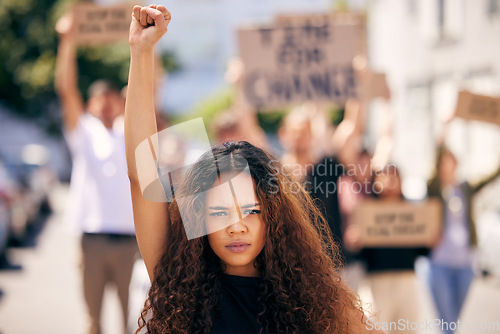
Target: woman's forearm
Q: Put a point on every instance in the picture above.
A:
(151, 218)
(140, 122)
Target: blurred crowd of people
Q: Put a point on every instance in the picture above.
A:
(309, 144)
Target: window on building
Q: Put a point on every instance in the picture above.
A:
(450, 19)
(493, 7)
(419, 100)
(412, 8)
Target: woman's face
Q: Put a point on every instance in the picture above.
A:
(236, 230)
(106, 106)
(295, 136)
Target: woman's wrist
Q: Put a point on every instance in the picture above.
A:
(137, 51)
(67, 42)
(141, 47)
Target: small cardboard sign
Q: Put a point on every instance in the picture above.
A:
(350, 18)
(478, 107)
(398, 224)
(373, 85)
(307, 59)
(98, 25)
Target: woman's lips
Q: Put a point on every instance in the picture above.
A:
(238, 246)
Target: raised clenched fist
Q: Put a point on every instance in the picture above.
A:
(148, 25)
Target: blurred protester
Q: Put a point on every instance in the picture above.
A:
(451, 260)
(100, 203)
(303, 135)
(226, 127)
(296, 138)
(372, 86)
(319, 168)
(390, 270)
(354, 187)
(240, 122)
(246, 127)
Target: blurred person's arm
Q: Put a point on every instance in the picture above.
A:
(249, 123)
(66, 77)
(346, 140)
(148, 25)
(475, 188)
(247, 115)
(484, 182)
(385, 144)
(321, 129)
(352, 238)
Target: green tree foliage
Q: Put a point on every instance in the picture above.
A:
(28, 47)
(27, 53)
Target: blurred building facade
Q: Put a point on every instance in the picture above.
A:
(429, 50)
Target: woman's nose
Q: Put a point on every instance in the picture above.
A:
(237, 228)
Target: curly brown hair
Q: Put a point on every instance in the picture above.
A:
(300, 289)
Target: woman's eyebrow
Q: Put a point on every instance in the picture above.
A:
(218, 208)
(250, 205)
(226, 208)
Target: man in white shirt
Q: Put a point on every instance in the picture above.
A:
(99, 206)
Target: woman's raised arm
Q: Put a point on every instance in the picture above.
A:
(148, 25)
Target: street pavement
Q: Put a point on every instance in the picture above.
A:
(44, 295)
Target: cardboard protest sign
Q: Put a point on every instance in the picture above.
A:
(398, 224)
(316, 19)
(373, 85)
(478, 107)
(305, 61)
(98, 25)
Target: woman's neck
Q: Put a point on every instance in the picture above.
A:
(245, 271)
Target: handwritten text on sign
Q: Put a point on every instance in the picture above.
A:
(290, 64)
(478, 107)
(102, 24)
(398, 224)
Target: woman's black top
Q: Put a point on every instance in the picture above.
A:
(238, 309)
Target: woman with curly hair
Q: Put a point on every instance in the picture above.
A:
(262, 261)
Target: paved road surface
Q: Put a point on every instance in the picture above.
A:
(45, 296)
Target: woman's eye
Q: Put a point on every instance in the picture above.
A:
(251, 212)
(218, 214)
